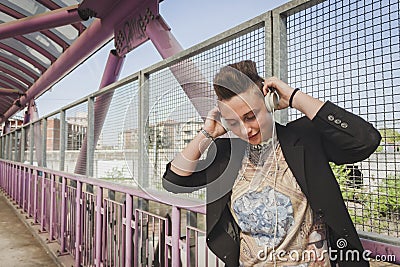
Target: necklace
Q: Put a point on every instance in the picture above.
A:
(258, 154)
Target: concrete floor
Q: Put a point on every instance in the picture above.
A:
(18, 247)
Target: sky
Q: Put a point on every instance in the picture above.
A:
(191, 22)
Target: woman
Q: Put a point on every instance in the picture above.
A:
(271, 194)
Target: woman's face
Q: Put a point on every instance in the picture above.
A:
(247, 116)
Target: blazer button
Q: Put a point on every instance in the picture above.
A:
(331, 117)
(344, 125)
(338, 121)
(345, 233)
(320, 213)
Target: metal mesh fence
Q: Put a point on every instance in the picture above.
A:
(174, 119)
(53, 142)
(114, 156)
(348, 52)
(76, 123)
(28, 144)
(36, 140)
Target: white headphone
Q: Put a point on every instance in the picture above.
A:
(271, 100)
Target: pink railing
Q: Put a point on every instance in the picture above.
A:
(98, 230)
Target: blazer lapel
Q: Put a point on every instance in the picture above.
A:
(294, 155)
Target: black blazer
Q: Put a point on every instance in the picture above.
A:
(334, 135)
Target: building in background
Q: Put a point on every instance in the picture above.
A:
(173, 134)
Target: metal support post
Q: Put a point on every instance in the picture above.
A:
(1, 147)
(31, 143)
(128, 230)
(24, 185)
(29, 192)
(23, 144)
(90, 138)
(62, 139)
(11, 178)
(44, 142)
(143, 116)
(15, 158)
(176, 234)
(279, 57)
(7, 147)
(63, 216)
(52, 207)
(78, 233)
(35, 196)
(43, 202)
(19, 186)
(99, 220)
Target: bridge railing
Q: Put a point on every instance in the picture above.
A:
(96, 221)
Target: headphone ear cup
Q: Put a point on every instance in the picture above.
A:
(271, 101)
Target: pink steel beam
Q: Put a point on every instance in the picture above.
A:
(11, 91)
(19, 67)
(2, 93)
(101, 105)
(16, 76)
(12, 82)
(17, 15)
(42, 22)
(5, 100)
(36, 47)
(91, 39)
(162, 38)
(26, 58)
(52, 6)
(6, 85)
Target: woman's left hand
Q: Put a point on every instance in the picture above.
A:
(283, 89)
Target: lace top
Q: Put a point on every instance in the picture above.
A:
(274, 215)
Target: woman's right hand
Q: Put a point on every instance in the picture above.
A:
(212, 124)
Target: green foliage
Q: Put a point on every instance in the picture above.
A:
(388, 197)
(390, 135)
(342, 176)
(374, 208)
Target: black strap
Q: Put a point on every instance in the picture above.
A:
(291, 97)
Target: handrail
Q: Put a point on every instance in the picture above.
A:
(150, 194)
(93, 228)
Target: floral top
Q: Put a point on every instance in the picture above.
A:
(276, 220)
